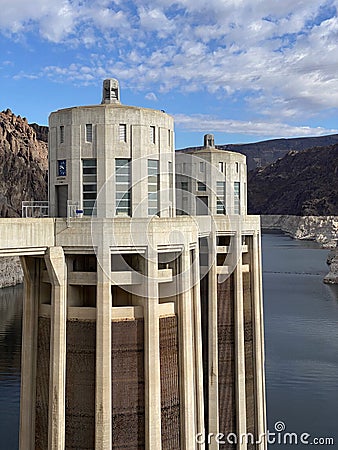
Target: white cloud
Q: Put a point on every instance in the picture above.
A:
(55, 20)
(58, 20)
(205, 123)
(151, 96)
(155, 20)
(280, 57)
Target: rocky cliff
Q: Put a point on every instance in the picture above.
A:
(10, 272)
(332, 260)
(41, 132)
(23, 164)
(301, 183)
(23, 168)
(323, 230)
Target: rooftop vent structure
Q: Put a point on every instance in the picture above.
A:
(209, 140)
(110, 91)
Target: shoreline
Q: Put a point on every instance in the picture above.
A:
(320, 229)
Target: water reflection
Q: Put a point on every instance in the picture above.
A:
(10, 349)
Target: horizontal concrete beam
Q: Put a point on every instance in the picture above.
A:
(26, 236)
(28, 251)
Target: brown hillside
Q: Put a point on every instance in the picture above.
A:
(301, 183)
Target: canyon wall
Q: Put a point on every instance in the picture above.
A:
(322, 229)
(23, 164)
(10, 272)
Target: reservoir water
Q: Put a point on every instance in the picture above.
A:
(301, 331)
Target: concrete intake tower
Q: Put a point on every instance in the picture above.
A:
(143, 321)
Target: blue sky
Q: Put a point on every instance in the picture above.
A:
(245, 70)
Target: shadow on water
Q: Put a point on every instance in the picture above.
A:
(10, 354)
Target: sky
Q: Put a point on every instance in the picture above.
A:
(244, 70)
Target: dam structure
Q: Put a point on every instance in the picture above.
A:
(142, 314)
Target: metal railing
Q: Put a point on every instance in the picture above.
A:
(35, 209)
(73, 210)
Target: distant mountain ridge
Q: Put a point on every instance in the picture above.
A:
(260, 154)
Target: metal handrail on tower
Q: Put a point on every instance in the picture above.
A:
(35, 209)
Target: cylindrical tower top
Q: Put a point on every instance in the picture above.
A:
(112, 159)
(110, 91)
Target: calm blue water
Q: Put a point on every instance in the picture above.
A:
(301, 323)
(301, 328)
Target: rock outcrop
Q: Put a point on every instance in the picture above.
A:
(10, 272)
(23, 164)
(23, 168)
(323, 230)
(332, 260)
(41, 132)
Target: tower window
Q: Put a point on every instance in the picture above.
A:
(220, 191)
(123, 132)
(122, 187)
(153, 187)
(62, 134)
(237, 197)
(89, 179)
(201, 186)
(221, 166)
(171, 181)
(89, 132)
(152, 135)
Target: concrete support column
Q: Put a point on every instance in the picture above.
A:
(152, 375)
(56, 266)
(213, 345)
(260, 267)
(186, 356)
(28, 353)
(258, 340)
(200, 427)
(239, 346)
(103, 382)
